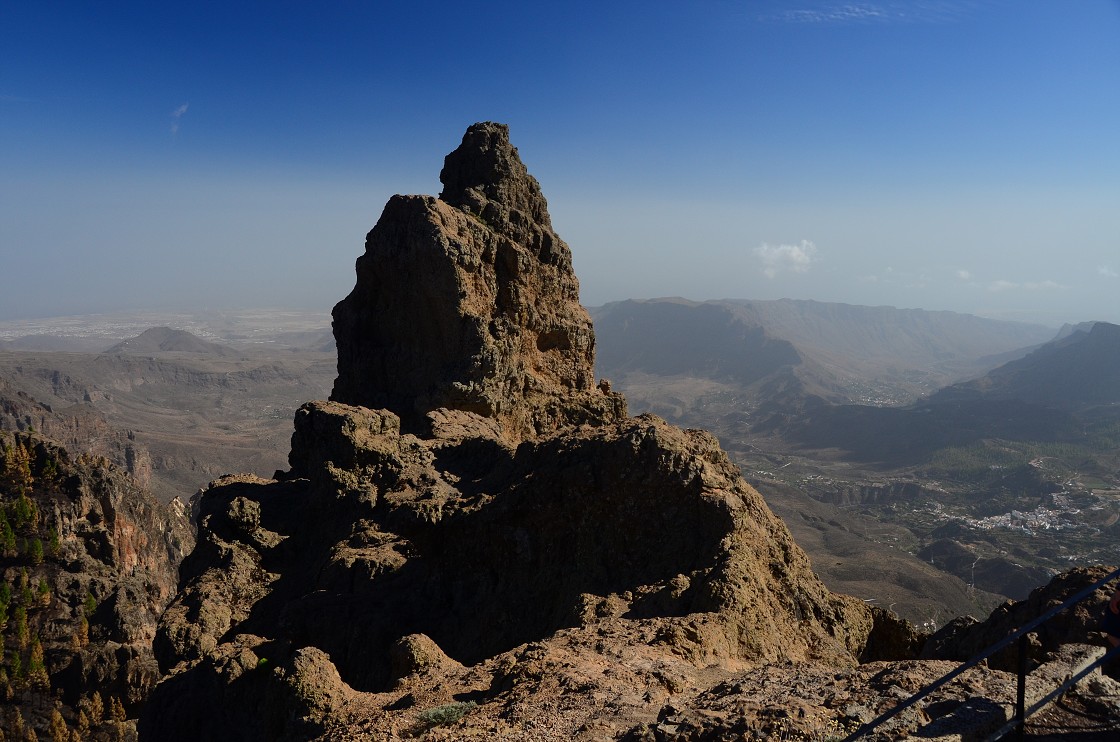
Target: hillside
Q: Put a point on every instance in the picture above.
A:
(168, 340)
(840, 353)
(1054, 394)
(1079, 371)
(88, 561)
(186, 417)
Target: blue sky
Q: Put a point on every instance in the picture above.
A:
(944, 155)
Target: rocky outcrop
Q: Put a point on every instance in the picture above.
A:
(91, 562)
(480, 549)
(966, 637)
(469, 302)
(471, 508)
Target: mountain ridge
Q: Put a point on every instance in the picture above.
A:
(844, 353)
(168, 340)
(500, 510)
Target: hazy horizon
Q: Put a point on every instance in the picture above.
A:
(947, 155)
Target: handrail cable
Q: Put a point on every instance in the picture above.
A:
(1074, 680)
(874, 723)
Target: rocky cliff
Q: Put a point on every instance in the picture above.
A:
(88, 562)
(470, 493)
(468, 302)
(473, 541)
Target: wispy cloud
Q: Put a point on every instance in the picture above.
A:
(964, 275)
(778, 258)
(832, 12)
(890, 276)
(176, 117)
(1104, 270)
(1002, 285)
(837, 14)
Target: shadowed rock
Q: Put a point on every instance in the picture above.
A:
(469, 494)
(469, 302)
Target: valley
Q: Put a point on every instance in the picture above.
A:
(918, 507)
(895, 459)
(200, 406)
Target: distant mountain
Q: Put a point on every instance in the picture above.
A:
(1079, 370)
(1044, 396)
(886, 338)
(668, 337)
(166, 339)
(63, 343)
(834, 352)
(321, 341)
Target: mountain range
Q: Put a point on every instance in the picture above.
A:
(1051, 394)
(473, 539)
(837, 352)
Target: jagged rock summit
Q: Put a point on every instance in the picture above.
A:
(471, 515)
(469, 302)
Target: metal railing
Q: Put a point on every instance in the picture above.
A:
(1020, 636)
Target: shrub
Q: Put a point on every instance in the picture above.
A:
(446, 714)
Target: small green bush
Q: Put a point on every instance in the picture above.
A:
(447, 714)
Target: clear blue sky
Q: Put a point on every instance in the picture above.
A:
(943, 155)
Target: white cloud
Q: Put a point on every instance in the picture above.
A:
(964, 275)
(833, 14)
(1002, 285)
(884, 11)
(778, 258)
(1104, 270)
(176, 115)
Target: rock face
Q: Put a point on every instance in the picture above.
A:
(100, 555)
(966, 637)
(469, 302)
(470, 511)
(79, 428)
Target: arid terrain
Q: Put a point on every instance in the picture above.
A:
(475, 538)
(212, 396)
(932, 538)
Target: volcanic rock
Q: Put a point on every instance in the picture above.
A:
(471, 511)
(102, 556)
(964, 638)
(469, 302)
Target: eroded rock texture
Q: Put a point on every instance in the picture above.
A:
(88, 562)
(470, 511)
(469, 302)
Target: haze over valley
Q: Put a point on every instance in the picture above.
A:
(928, 461)
(771, 376)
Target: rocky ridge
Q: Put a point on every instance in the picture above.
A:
(79, 427)
(468, 302)
(474, 542)
(88, 561)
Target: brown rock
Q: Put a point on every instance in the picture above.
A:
(416, 653)
(108, 563)
(469, 302)
(965, 638)
(471, 490)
